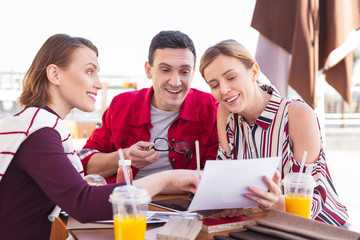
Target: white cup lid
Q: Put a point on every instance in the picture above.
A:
(130, 193)
(127, 162)
(298, 179)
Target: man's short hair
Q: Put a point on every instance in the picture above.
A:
(170, 39)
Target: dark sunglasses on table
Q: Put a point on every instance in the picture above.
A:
(181, 147)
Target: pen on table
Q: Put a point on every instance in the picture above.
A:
(197, 151)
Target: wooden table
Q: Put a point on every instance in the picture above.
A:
(59, 230)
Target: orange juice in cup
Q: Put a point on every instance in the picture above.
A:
(299, 204)
(298, 191)
(130, 205)
(130, 227)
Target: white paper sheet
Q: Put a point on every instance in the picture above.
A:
(160, 217)
(223, 183)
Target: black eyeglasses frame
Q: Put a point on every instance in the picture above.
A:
(188, 154)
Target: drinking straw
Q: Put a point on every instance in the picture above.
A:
(301, 171)
(127, 179)
(303, 162)
(197, 150)
(122, 162)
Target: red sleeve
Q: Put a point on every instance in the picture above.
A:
(99, 140)
(213, 145)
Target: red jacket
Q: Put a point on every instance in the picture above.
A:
(128, 120)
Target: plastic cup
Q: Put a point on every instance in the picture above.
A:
(130, 205)
(95, 180)
(298, 191)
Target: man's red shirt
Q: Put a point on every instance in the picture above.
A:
(128, 121)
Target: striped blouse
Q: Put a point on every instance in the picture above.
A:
(269, 136)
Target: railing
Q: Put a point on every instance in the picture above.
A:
(342, 119)
(11, 87)
(337, 113)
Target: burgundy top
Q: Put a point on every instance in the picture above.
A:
(40, 176)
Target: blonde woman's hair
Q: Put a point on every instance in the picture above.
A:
(229, 48)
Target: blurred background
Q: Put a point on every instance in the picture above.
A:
(122, 31)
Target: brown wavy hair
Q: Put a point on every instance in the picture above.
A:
(58, 50)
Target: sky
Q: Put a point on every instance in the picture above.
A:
(122, 30)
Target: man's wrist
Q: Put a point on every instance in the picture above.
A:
(126, 153)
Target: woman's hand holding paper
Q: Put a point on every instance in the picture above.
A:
(268, 199)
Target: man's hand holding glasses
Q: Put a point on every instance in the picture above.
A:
(181, 147)
(140, 155)
(144, 153)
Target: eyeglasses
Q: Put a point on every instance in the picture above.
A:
(182, 147)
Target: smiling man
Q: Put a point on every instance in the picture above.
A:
(157, 127)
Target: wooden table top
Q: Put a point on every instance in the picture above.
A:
(108, 233)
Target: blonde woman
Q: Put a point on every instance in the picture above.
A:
(254, 122)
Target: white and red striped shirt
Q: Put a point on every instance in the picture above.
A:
(15, 129)
(269, 136)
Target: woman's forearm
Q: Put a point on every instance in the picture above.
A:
(154, 183)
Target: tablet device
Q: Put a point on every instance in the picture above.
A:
(173, 204)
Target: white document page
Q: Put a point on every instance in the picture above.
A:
(224, 182)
